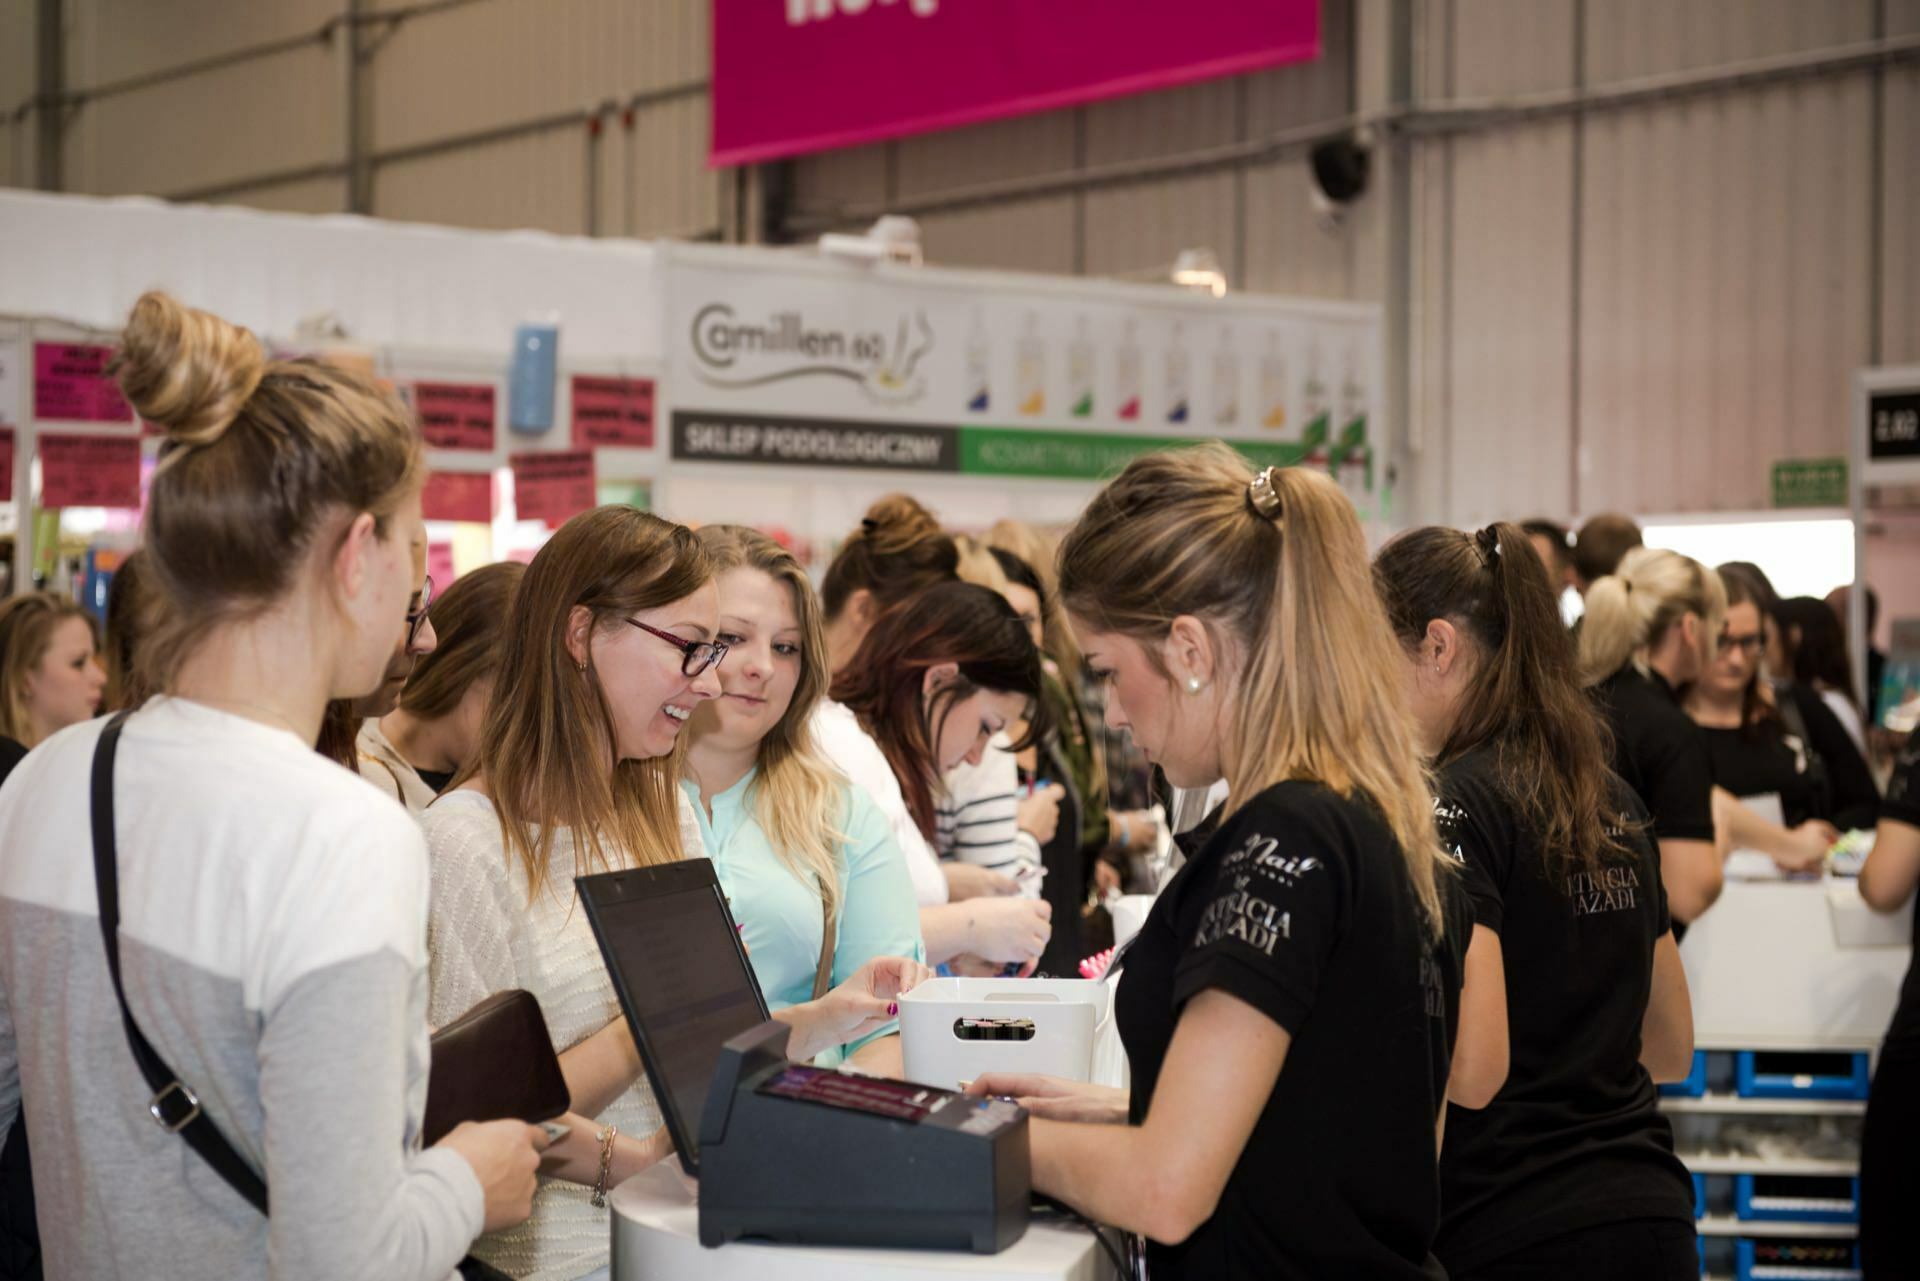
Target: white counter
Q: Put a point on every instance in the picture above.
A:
(656, 1237)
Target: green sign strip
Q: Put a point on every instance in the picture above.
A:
(1065, 455)
(1810, 482)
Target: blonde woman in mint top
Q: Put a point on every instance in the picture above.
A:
(272, 931)
(808, 860)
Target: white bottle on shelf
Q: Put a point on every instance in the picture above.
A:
(1179, 377)
(979, 365)
(1126, 375)
(1273, 384)
(1030, 371)
(1226, 381)
(1080, 397)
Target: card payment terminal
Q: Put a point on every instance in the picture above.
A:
(793, 1152)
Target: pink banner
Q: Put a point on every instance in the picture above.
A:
(793, 76)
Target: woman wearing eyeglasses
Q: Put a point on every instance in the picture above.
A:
(340, 730)
(609, 648)
(417, 747)
(1754, 753)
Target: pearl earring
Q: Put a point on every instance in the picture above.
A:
(1193, 685)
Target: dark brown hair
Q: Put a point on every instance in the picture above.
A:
(953, 622)
(262, 460)
(898, 552)
(1820, 648)
(1747, 585)
(339, 737)
(1600, 544)
(470, 620)
(130, 609)
(1523, 702)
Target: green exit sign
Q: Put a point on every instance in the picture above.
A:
(1810, 482)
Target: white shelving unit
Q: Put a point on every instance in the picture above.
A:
(1734, 1105)
(1766, 974)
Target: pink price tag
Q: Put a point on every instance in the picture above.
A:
(456, 415)
(458, 495)
(612, 411)
(553, 487)
(70, 384)
(90, 471)
(440, 565)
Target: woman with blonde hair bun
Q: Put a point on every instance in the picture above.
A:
(1651, 628)
(1289, 1006)
(270, 954)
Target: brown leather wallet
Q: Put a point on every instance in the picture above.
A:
(494, 1062)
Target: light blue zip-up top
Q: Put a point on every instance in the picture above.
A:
(780, 913)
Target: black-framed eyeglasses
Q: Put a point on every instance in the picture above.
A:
(416, 618)
(695, 656)
(1753, 643)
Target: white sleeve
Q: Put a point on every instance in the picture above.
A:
(856, 755)
(978, 818)
(471, 922)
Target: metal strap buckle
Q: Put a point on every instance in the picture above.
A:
(157, 1107)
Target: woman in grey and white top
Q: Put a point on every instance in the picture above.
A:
(273, 908)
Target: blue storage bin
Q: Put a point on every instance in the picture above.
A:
(1794, 1259)
(1695, 1084)
(1762, 1075)
(1699, 1196)
(1795, 1199)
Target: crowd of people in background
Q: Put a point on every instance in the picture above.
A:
(1434, 912)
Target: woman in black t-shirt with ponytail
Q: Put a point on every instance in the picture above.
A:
(1569, 1171)
(1289, 1006)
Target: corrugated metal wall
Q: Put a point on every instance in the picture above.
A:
(1640, 307)
(1646, 307)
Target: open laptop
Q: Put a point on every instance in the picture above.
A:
(683, 980)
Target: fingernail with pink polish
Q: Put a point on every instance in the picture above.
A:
(893, 1007)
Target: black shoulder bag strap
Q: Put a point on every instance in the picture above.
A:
(173, 1106)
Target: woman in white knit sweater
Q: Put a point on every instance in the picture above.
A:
(610, 644)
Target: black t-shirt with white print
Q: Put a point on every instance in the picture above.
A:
(1573, 1140)
(1300, 906)
(1902, 805)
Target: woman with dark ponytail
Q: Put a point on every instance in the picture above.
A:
(1568, 1171)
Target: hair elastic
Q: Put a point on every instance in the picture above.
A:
(1264, 496)
(1488, 540)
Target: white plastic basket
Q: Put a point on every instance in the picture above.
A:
(1066, 1014)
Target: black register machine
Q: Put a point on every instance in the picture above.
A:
(787, 1151)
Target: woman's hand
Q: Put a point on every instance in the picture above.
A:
(1038, 815)
(965, 881)
(1009, 930)
(1053, 1098)
(865, 1003)
(1807, 846)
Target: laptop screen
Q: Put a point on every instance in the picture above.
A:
(682, 978)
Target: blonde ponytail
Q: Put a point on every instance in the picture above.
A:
(1629, 611)
(1282, 566)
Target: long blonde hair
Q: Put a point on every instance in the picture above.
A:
(548, 739)
(1177, 534)
(799, 798)
(1629, 611)
(27, 623)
